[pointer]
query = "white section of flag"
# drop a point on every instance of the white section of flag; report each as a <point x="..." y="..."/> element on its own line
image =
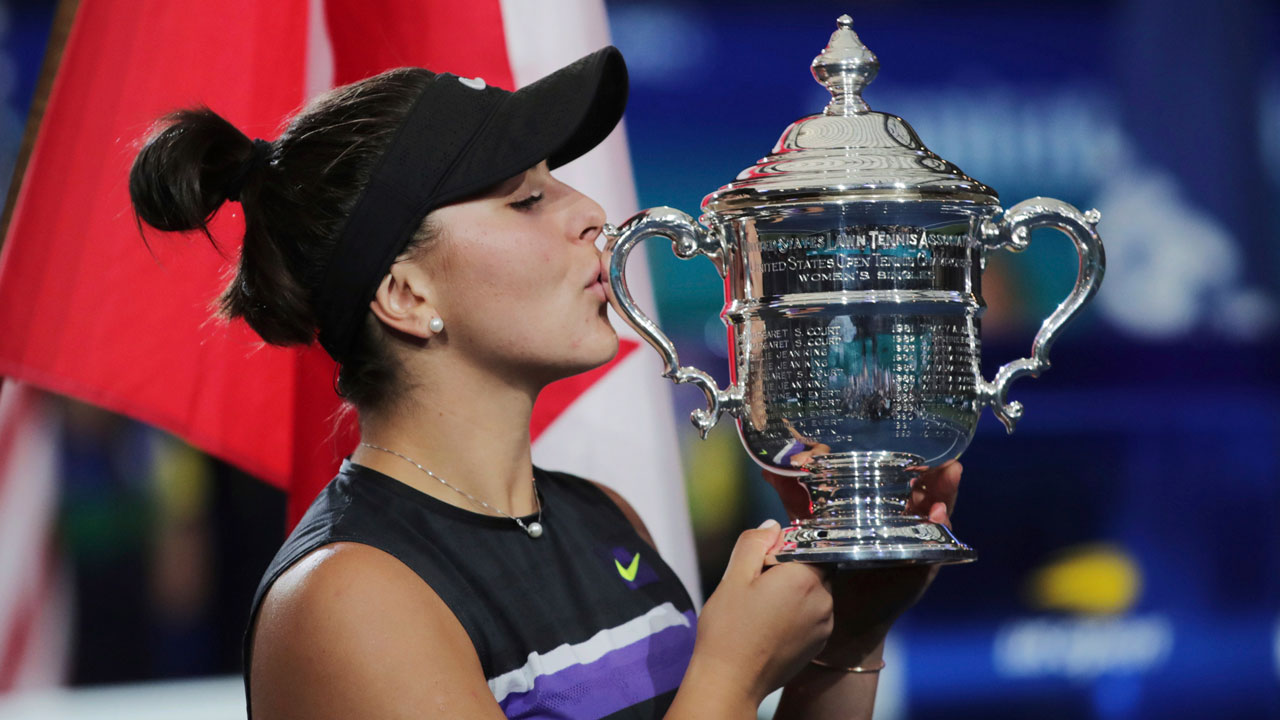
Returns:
<point x="35" y="609"/>
<point x="319" y="77"/>
<point x="621" y="431"/>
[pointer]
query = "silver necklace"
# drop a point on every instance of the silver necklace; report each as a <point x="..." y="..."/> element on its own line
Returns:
<point x="533" y="529"/>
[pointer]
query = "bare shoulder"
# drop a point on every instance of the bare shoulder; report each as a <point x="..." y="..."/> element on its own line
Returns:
<point x="632" y="516"/>
<point x="350" y="631"/>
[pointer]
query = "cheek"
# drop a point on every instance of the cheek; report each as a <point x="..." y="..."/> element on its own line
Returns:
<point x="507" y="293"/>
<point x="513" y="297"/>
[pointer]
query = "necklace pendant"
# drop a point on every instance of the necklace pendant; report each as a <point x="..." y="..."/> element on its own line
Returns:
<point x="534" y="529"/>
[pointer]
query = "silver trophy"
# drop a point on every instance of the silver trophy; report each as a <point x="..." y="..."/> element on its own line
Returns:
<point x="852" y="258"/>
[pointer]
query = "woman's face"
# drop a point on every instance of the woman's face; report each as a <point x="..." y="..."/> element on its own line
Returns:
<point x="514" y="274"/>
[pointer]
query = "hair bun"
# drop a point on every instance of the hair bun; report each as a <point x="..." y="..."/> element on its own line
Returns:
<point x="185" y="169"/>
<point x="298" y="191"/>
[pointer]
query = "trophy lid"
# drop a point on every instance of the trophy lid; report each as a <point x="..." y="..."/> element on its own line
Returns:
<point x="848" y="152"/>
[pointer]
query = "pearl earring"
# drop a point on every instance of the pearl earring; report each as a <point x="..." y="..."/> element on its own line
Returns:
<point x="436" y="324"/>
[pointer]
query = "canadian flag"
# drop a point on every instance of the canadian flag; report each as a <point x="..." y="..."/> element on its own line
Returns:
<point x="88" y="310"/>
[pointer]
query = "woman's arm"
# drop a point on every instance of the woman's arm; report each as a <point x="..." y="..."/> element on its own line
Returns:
<point x="756" y="630"/>
<point x="867" y="602"/>
<point x="752" y="633"/>
<point x="350" y="632"/>
<point x="817" y="692"/>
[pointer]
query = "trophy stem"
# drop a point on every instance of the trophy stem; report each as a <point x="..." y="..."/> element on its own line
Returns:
<point x="862" y="487"/>
<point x="859" y="516"/>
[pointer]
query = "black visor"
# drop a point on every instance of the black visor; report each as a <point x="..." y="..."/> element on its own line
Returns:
<point x="460" y="137"/>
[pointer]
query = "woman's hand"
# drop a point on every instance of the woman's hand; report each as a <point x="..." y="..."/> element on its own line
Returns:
<point x="759" y="627"/>
<point x="867" y="602"/>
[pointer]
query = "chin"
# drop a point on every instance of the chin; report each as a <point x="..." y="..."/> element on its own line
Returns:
<point x="593" y="345"/>
<point x="606" y="348"/>
<point x="594" y="352"/>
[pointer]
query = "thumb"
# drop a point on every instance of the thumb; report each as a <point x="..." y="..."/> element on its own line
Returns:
<point x="747" y="560"/>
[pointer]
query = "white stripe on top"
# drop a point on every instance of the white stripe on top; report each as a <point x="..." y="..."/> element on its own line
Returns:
<point x="634" y="630"/>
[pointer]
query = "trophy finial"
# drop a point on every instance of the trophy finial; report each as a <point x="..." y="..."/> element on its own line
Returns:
<point x="845" y="67"/>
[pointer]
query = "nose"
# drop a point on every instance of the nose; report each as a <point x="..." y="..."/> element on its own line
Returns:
<point x="588" y="218"/>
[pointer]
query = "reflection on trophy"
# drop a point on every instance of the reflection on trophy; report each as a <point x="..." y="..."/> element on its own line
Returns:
<point x="852" y="258"/>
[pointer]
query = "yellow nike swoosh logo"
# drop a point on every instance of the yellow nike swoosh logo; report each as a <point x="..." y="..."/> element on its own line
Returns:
<point x="629" y="573"/>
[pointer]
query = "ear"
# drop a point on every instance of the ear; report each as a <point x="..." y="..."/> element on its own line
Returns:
<point x="402" y="301"/>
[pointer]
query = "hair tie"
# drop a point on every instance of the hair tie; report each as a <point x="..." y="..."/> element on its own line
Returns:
<point x="260" y="156"/>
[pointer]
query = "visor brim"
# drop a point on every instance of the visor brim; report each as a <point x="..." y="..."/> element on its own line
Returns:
<point x="558" y="118"/>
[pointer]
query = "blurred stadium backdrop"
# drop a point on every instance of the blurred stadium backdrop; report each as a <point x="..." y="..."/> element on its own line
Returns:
<point x="1129" y="531"/>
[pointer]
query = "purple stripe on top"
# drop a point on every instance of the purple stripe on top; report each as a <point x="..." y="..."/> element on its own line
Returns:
<point x="619" y="679"/>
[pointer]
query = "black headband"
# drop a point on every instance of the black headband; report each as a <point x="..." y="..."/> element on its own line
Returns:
<point x="459" y="137"/>
<point x="406" y="184"/>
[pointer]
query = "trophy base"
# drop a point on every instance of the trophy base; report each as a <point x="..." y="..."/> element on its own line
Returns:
<point x="904" y="540"/>
<point x="859" y="520"/>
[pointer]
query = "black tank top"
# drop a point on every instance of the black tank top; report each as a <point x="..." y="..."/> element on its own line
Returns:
<point x="586" y="621"/>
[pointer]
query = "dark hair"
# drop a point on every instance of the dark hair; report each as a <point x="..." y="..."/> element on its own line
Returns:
<point x="294" y="206"/>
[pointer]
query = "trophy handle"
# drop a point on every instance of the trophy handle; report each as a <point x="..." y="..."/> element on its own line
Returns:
<point x="688" y="240"/>
<point x="1013" y="232"/>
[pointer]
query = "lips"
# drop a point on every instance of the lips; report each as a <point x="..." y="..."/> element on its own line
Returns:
<point x="595" y="284"/>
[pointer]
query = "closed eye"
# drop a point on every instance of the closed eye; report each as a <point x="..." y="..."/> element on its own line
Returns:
<point x="528" y="202"/>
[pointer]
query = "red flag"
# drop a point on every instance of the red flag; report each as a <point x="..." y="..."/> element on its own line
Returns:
<point x="88" y="312"/>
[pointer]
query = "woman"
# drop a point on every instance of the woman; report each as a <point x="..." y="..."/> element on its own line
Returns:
<point x="410" y="223"/>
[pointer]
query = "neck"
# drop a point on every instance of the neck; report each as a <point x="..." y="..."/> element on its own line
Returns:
<point x="468" y="426"/>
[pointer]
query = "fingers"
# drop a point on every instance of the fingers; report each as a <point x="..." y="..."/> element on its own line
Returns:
<point x="777" y="544"/>
<point x="938" y="513"/>
<point x="946" y="486"/>
<point x="936" y="486"/>
<point x="801" y="576"/>
<point x="747" y="560"/>
<point x="828" y="575"/>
